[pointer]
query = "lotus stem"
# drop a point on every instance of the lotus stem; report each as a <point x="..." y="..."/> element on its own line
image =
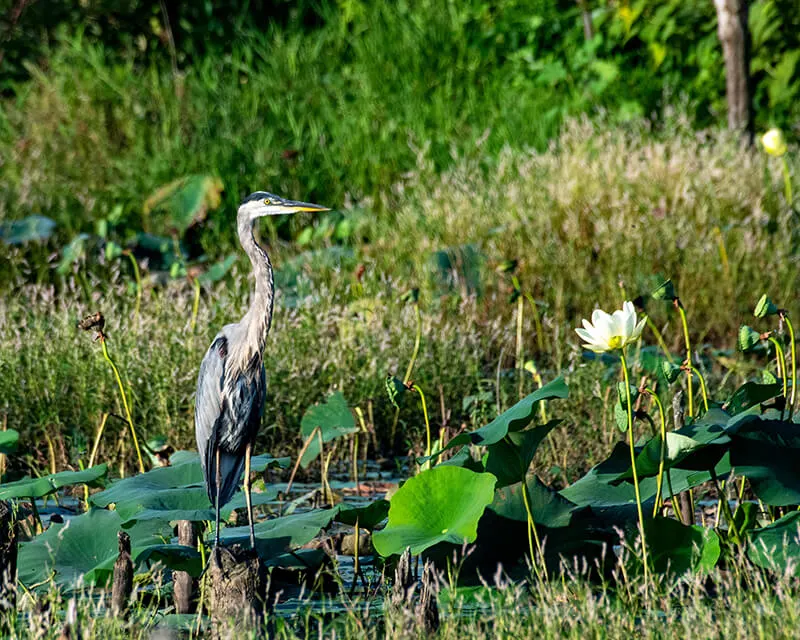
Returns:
<point x="138" y="277"/>
<point x="409" y="369"/>
<point x="355" y="463"/>
<point x="195" y="303"/>
<point x="537" y="321"/>
<point x="533" y="534"/>
<point x="703" y="387"/>
<point x="726" y="509"/>
<point x="689" y="391"/>
<point x="660" y="479"/>
<point x="787" y="181"/>
<point x="781" y="364"/>
<point x="97" y="439"/>
<point x="518" y="354"/>
<point x="793" y="349"/>
<point x="659" y="338"/>
<point x="629" y="410"/>
<point x="124" y="398"/>
<point x="417" y="388"/>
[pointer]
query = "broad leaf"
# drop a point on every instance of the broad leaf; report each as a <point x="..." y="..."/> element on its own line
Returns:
<point x="182" y="203"/>
<point x="40" y="487"/>
<point x="31" y="229"/>
<point x="547" y="506"/>
<point x="333" y="418"/>
<point x="368" y="517"/>
<point x="8" y="441"/>
<point x="442" y="504"/>
<point x="509" y="459"/>
<point x="777" y="546"/>
<point x="751" y="394"/>
<point x="675" y="548"/>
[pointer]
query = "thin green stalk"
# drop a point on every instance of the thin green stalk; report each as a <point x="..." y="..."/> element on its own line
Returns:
<point x="685" y="324"/>
<point x="660" y="478"/>
<point x="703" y="388"/>
<point x="676" y="509"/>
<point x="726" y="509"/>
<point x="518" y="354"/>
<point x="409" y="370"/>
<point x="629" y="410"/>
<point x="138" y="277"/>
<point x="124" y="402"/>
<point x="533" y="534"/>
<point x="781" y="358"/>
<point x="196" y="302"/>
<point x="659" y="338"/>
<point x="789" y="326"/>
<point x="537" y="321"/>
<point x="787" y="181"/>
<point x="427" y="422"/>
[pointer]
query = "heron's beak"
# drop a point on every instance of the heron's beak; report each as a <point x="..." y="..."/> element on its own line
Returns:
<point x="292" y="206"/>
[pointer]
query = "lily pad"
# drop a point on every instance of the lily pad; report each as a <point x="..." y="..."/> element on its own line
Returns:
<point x="40" y="487"/>
<point x="85" y="546"/>
<point x="751" y="394"/>
<point x="368" y="517"/>
<point x="8" y="441"/>
<point x="182" y="203"/>
<point x="547" y="506"/>
<point x="442" y="504"/>
<point x="514" y="419"/>
<point x="31" y="229"/>
<point x="333" y="418"/>
<point x="510" y="458"/>
<point x="777" y="547"/>
<point x="280" y="535"/>
<point x="675" y="548"/>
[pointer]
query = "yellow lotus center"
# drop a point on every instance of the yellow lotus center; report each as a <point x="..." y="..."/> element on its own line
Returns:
<point x="444" y="531"/>
<point x="615" y="342"/>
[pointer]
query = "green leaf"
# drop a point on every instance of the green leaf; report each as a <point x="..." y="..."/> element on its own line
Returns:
<point x="620" y="417"/>
<point x="368" y="517"/>
<point x="777" y="547"/>
<point x="766" y="453"/>
<point x="31" y="229"/>
<point x="623" y="398"/>
<point x="547" y="506"/>
<point x="8" y="441"/>
<point x="670" y="371"/>
<point x="217" y="271"/>
<point x="509" y="459"/>
<point x="334" y="420"/>
<point x="514" y="419"/>
<point x="74" y="251"/>
<point x="442" y="504"/>
<point x="745" y="519"/>
<point x="182" y="203"/>
<point x="280" y="535"/>
<point x="40" y="487"/>
<point x="85" y="545"/>
<point x="751" y="394"/>
<point x="396" y="390"/>
<point x="675" y="548"/>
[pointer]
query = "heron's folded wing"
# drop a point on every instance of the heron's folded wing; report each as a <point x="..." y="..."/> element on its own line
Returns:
<point x="208" y="400"/>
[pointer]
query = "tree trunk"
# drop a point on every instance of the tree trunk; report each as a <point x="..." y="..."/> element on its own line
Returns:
<point x="588" y="29"/>
<point x="8" y="559"/>
<point x="735" y="39"/>
<point x="183" y="583"/>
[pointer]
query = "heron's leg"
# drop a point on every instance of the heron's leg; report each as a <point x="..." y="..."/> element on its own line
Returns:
<point x="247" y="453"/>
<point x="219" y="488"/>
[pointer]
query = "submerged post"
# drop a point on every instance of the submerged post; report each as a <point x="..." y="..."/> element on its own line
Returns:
<point x="238" y="586"/>
<point x="123" y="576"/>
<point x="183" y="583"/>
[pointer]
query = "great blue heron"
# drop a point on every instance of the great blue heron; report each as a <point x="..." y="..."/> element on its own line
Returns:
<point x="231" y="386"/>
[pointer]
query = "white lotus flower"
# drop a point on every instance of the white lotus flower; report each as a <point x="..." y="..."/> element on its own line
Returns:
<point x="774" y="143"/>
<point x="609" y="332"/>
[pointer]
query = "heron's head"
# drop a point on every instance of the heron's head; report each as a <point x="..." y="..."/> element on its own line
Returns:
<point x="261" y="203"/>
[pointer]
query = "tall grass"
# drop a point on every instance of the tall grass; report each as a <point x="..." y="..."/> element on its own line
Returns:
<point x="562" y="213"/>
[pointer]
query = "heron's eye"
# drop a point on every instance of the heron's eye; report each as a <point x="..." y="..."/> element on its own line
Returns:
<point x="267" y="201"/>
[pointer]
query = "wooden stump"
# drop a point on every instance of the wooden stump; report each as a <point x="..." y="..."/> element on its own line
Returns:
<point x="238" y="586"/>
<point x="123" y="576"/>
<point x="8" y="561"/>
<point x="183" y="583"/>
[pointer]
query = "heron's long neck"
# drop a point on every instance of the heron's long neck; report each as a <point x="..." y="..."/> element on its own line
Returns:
<point x="258" y="319"/>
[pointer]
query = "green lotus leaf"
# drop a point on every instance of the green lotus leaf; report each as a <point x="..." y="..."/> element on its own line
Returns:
<point x="368" y="517"/>
<point x="777" y="546"/>
<point x="334" y="420"/>
<point x="8" y="441"/>
<point x="31" y="229"/>
<point x="217" y="271"/>
<point x="182" y="203"/>
<point x="751" y="394"/>
<point x="442" y="504"/>
<point x="675" y="548"/>
<point x="280" y="535"/>
<point x="40" y="487"/>
<point x="509" y="459"/>
<point x="83" y="549"/>
<point x="547" y="506"/>
<point x="513" y="419"/>
<point x="664" y="291"/>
